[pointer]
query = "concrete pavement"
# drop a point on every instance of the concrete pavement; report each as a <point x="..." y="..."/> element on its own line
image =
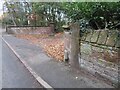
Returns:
<point x="0" y="62"/>
<point x="55" y="74"/>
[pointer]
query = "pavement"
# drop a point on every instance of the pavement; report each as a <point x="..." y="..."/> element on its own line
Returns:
<point x="0" y="60"/>
<point x="49" y="72"/>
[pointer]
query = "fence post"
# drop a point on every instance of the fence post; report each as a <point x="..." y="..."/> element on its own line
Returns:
<point x="74" y="45"/>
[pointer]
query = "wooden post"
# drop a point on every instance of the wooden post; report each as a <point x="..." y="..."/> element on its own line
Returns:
<point x="74" y="45"/>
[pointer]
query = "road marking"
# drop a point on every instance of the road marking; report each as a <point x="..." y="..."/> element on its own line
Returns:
<point x="35" y="75"/>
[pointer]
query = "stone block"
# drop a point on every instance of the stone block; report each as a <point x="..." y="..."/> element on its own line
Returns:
<point x="118" y="42"/>
<point x="97" y="49"/>
<point x="10" y="31"/>
<point x="110" y="56"/>
<point x="95" y="36"/>
<point x="83" y="37"/>
<point x="112" y="37"/>
<point x="102" y="37"/>
<point x="86" y="49"/>
<point x="88" y="37"/>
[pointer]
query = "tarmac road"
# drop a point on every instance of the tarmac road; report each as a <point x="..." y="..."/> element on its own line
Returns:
<point x="14" y="74"/>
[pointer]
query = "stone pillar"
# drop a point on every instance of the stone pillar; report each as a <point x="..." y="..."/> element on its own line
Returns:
<point x="6" y="27"/>
<point x="74" y="45"/>
<point x="52" y="27"/>
<point x="66" y="42"/>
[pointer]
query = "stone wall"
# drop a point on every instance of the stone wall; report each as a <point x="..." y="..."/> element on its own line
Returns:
<point x="29" y="30"/>
<point x="99" y="52"/>
<point x="102" y="42"/>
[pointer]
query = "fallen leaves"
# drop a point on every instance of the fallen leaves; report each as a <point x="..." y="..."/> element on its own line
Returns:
<point x="52" y="45"/>
<point x="55" y="49"/>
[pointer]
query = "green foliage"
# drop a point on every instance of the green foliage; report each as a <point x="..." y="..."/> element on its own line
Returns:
<point x="99" y="15"/>
<point x="16" y="12"/>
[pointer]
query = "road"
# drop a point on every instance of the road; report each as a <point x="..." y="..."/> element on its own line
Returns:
<point x="0" y="59"/>
<point x="14" y="74"/>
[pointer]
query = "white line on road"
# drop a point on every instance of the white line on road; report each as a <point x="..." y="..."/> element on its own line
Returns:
<point x="37" y="77"/>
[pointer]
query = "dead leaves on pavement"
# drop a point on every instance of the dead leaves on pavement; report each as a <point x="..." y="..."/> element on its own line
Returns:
<point x="52" y="45"/>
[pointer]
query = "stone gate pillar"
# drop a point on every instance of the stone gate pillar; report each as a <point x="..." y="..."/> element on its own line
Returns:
<point x="52" y="27"/>
<point x="74" y="45"/>
<point x="66" y="42"/>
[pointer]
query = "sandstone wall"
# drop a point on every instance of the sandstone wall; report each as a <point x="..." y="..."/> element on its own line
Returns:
<point x="29" y="30"/>
<point x="99" y="52"/>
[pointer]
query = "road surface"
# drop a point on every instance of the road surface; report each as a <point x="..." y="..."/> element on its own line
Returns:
<point x="14" y="74"/>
